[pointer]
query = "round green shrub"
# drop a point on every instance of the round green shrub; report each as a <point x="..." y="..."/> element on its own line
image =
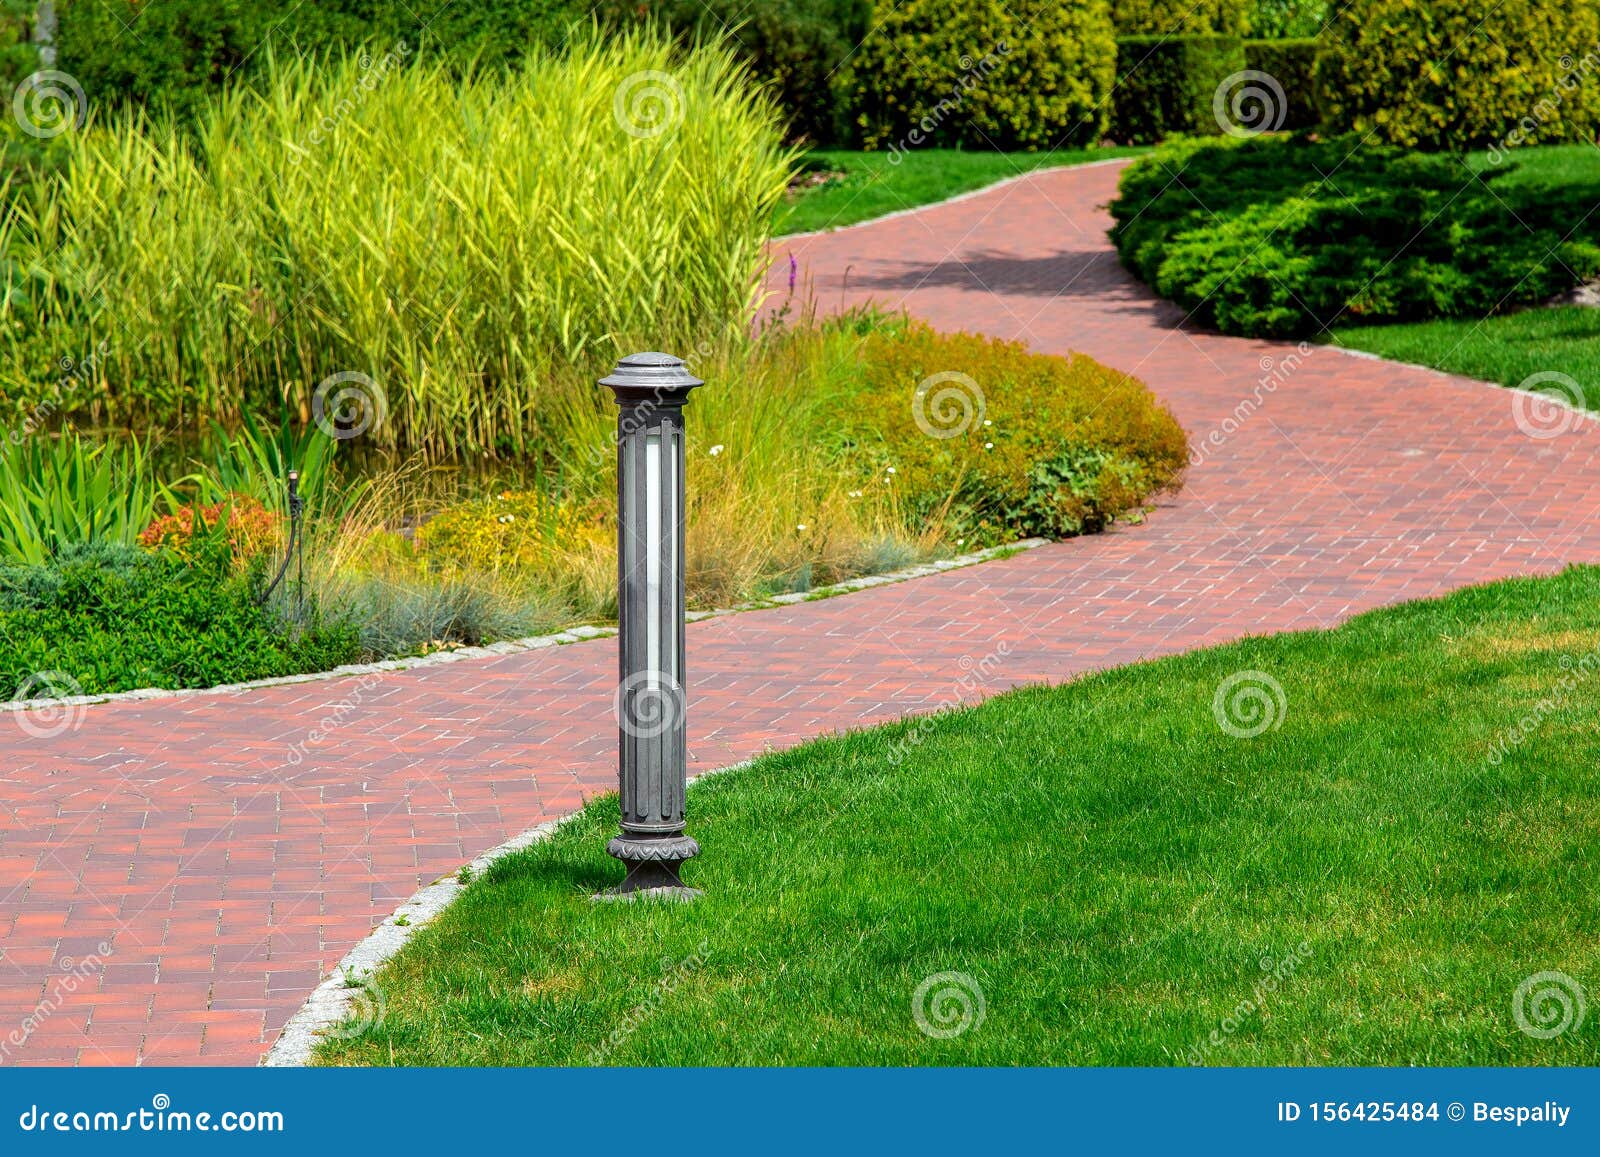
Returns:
<point x="1461" y="74"/>
<point x="1024" y="74"/>
<point x="1249" y="237"/>
<point x="1181" y="17"/>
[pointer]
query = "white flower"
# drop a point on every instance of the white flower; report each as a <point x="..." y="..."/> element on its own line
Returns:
<point x="802" y="526"/>
<point x="986" y="422"/>
<point x="890" y="470"/>
<point x="855" y="494"/>
<point x="961" y="542"/>
<point x="988" y="445"/>
<point x="715" y="450"/>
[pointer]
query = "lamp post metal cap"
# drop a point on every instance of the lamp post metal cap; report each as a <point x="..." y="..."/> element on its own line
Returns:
<point x="646" y="375"/>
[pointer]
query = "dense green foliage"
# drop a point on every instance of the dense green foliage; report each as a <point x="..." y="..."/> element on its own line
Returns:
<point x="1252" y="238"/>
<point x="1024" y="74"/>
<point x="798" y="46"/>
<point x="104" y="618"/>
<point x="1410" y="834"/>
<point x="1455" y="74"/>
<point x="995" y="441"/>
<point x="1288" y="19"/>
<point x="1168" y="84"/>
<point x="1181" y="17"/>
<point x="1293" y="64"/>
<point x="175" y="54"/>
<point x="392" y="224"/>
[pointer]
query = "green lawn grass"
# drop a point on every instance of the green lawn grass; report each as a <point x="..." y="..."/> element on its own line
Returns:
<point x="1367" y="881"/>
<point x="1508" y="348"/>
<point x="871" y="185"/>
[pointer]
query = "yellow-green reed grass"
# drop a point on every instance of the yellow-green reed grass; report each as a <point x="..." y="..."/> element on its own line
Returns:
<point x="459" y="240"/>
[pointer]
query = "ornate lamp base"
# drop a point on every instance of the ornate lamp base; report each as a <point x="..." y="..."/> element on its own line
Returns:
<point x="653" y="866"/>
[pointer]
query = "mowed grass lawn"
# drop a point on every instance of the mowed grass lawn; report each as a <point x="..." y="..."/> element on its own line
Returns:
<point x="1509" y="348"/>
<point x="1117" y="874"/>
<point x="870" y="185"/>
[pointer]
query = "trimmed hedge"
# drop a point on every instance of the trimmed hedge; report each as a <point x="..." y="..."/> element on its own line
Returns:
<point x="1461" y="74"/>
<point x="1248" y="236"/>
<point x="1186" y="17"/>
<point x="1006" y="74"/>
<point x="1166" y="85"/>
<point x="1293" y="64"/>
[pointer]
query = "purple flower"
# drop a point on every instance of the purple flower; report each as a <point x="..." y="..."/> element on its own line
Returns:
<point x="794" y="267"/>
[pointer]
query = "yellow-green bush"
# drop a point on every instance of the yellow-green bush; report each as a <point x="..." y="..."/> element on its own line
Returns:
<point x="1007" y="74"/>
<point x="506" y="531"/>
<point x="1180" y="17"/>
<point x="1459" y="74"/>
<point x="996" y="442"/>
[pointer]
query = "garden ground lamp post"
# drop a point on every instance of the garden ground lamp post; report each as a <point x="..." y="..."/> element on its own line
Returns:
<point x="651" y="390"/>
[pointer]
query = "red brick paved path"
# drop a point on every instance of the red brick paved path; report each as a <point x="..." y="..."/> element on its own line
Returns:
<point x="226" y="882"/>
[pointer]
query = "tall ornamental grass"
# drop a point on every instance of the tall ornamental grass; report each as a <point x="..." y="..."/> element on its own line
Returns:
<point x="453" y="241"/>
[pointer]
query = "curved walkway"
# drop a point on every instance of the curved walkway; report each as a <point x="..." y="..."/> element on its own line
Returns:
<point x="176" y="876"/>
